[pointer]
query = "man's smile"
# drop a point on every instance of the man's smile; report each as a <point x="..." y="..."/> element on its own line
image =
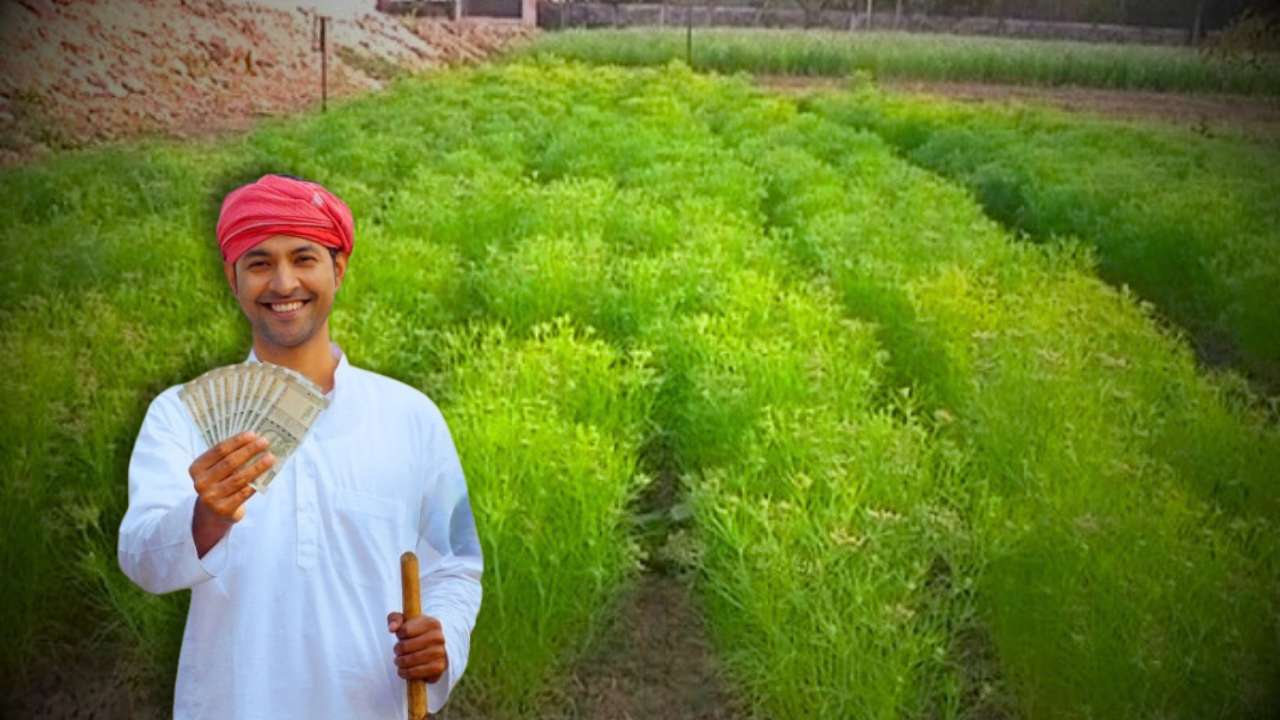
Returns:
<point x="285" y="309"/>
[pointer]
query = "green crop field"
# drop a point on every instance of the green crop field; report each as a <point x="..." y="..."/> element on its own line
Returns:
<point x="906" y="56"/>
<point x="922" y="467"/>
<point x="1191" y="223"/>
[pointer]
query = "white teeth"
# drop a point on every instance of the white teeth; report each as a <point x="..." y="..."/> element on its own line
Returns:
<point x="286" y="307"/>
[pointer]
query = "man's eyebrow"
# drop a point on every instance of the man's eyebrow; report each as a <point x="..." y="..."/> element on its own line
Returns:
<point x="259" y="252"/>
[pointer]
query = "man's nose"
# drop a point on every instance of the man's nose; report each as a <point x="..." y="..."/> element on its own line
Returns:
<point x="283" y="280"/>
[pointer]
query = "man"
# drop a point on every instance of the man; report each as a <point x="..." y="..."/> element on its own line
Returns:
<point x="291" y="589"/>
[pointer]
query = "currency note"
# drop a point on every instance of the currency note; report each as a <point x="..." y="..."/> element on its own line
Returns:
<point x="214" y="384"/>
<point x="235" y="380"/>
<point x="190" y="400"/>
<point x="273" y="388"/>
<point x="287" y="421"/>
<point x="205" y="390"/>
<point x="277" y="403"/>
<point x="243" y="397"/>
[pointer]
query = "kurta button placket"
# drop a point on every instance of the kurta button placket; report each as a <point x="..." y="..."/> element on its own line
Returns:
<point x="308" y="518"/>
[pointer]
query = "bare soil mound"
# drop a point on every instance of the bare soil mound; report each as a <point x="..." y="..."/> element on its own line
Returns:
<point x="77" y="72"/>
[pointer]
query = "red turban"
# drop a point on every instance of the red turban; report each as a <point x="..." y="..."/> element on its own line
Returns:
<point x="280" y="205"/>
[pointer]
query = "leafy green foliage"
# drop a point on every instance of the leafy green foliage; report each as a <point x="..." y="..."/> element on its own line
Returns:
<point x="1073" y="406"/>
<point x="1190" y="223"/>
<point x="548" y="431"/>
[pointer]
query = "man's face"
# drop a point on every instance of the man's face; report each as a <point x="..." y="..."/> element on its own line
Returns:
<point x="285" y="286"/>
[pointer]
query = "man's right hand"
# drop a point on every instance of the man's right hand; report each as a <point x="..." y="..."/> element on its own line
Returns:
<point x="222" y="479"/>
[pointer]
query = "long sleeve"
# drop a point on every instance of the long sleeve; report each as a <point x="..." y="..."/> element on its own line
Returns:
<point x="156" y="548"/>
<point x="451" y="560"/>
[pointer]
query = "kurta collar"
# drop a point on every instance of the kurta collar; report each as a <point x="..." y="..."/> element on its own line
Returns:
<point x="339" y="372"/>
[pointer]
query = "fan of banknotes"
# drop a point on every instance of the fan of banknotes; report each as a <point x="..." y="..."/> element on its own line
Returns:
<point x="273" y="401"/>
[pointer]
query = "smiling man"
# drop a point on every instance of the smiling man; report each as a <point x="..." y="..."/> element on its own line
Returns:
<point x="293" y="590"/>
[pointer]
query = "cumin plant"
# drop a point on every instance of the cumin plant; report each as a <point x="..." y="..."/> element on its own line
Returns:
<point x="548" y="431"/>
<point x="1143" y="572"/>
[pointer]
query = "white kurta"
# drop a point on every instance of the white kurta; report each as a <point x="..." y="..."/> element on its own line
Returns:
<point x="288" y="610"/>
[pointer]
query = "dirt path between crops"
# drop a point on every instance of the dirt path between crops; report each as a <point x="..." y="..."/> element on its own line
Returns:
<point x="1256" y="117"/>
<point x="655" y="662"/>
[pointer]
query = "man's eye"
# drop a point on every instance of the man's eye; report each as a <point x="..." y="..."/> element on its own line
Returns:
<point x="256" y="265"/>
<point x="306" y="258"/>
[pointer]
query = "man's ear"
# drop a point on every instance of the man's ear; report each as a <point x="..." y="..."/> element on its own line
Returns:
<point x="229" y="269"/>
<point x="339" y="269"/>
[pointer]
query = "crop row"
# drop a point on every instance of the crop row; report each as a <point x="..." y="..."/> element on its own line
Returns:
<point x="1125" y="496"/>
<point x="1188" y="222"/>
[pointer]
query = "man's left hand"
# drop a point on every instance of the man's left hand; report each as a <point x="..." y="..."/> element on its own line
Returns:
<point x="420" y="653"/>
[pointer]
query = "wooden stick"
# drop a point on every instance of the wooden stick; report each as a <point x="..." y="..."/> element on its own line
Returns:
<point x="324" y="66"/>
<point x="417" y="689"/>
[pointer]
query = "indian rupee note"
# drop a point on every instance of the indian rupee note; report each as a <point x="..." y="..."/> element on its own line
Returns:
<point x="191" y="400"/>
<point x="286" y="422"/>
